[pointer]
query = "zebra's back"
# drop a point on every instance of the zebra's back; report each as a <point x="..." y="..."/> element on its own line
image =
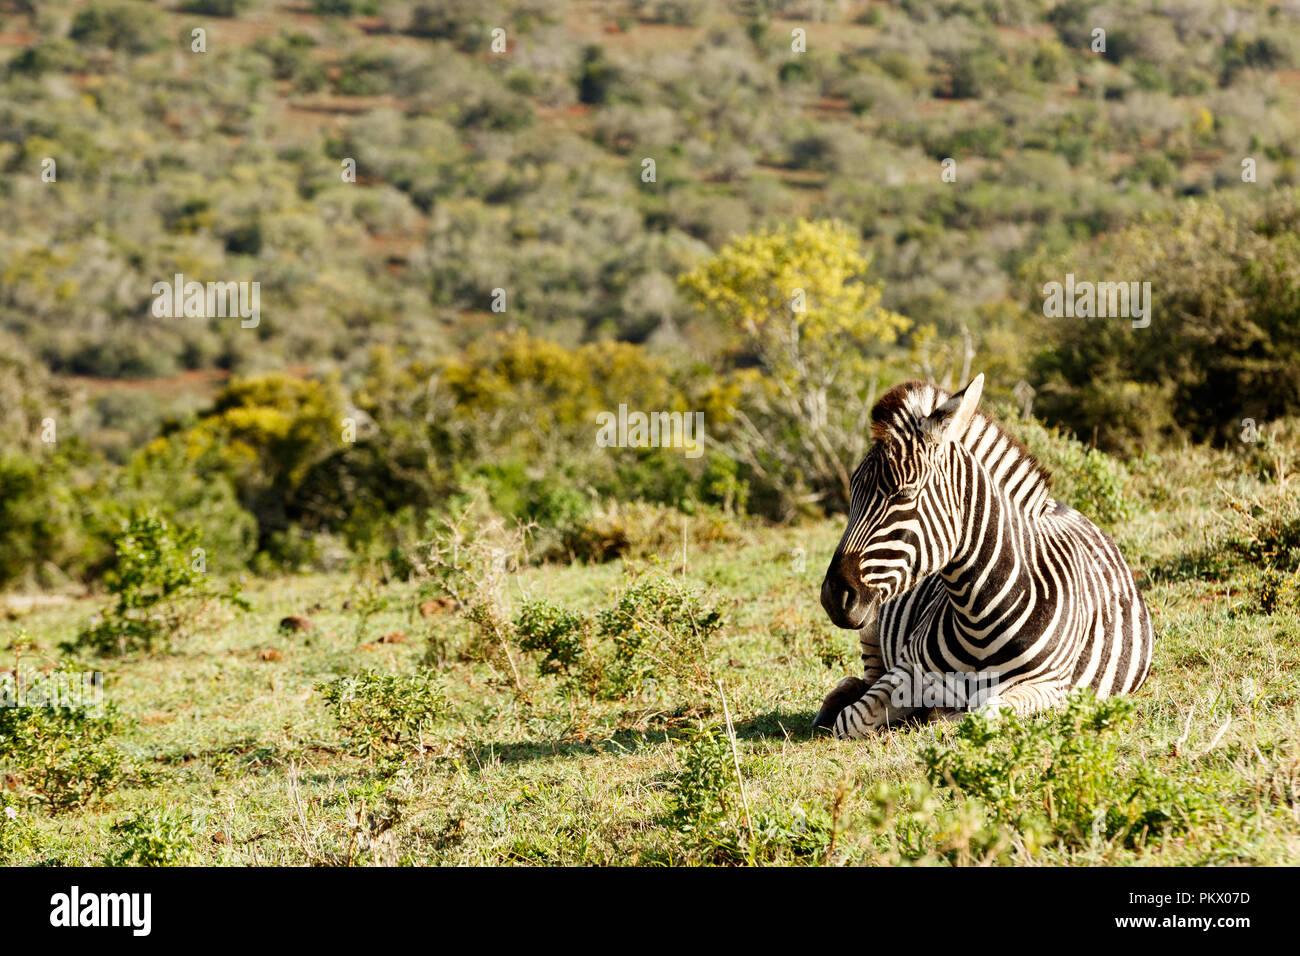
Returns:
<point x="1103" y="639"/>
<point x="1117" y="656"/>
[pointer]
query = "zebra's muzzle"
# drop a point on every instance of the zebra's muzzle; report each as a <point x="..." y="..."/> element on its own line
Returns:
<point x="848" y="605"/>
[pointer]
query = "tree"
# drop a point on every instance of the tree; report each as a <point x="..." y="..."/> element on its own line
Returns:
<point x="1223" y="341"/>
<point x="263" y="435"/>
<point x="797" y="302"/>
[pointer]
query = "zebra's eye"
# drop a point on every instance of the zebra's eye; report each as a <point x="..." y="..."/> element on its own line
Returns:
<point x="904" y="494"/>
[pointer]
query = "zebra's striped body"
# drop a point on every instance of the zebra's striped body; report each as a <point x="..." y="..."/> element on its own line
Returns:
<point x="969" y="584"/>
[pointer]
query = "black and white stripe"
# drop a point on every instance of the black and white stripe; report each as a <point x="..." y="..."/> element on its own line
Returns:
<point x="958" y="567"/>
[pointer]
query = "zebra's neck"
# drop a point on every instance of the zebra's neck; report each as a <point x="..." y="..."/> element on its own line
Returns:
<point x="990" y="580"/>
<point x="1014" y="472"/>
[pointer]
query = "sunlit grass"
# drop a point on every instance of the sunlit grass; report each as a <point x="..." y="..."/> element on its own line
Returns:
<point x="230" y="728"/>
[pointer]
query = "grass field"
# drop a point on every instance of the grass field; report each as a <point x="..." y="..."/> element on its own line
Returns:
<point x="386" y="172"/>
<point x="231" y="732"/>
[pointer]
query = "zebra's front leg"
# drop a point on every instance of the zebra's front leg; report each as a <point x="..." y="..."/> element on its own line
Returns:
<point x="844" y="693"/>
<point x="891" y="699"/>
<point x="851" y="688"/>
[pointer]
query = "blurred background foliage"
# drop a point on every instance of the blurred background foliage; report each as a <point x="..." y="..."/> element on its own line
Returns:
<point x="380" y="386"/>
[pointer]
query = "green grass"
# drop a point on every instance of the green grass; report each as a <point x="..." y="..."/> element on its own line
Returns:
<point x="234" y="750"/>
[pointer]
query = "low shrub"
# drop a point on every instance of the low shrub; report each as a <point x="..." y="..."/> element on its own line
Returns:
<point x="561" y="636"/>
<point x="1268" y="591"/>
<point x="1265" y="528"/>
<point x="62" y="757"/>
<point x="160" y="836"/>
<point x="159" y="579"/>
<point x="17" y="835"/>
<point x="383" y="715"/>
<point x="659" y="629"/>
<point x="653" y="639"/>
<point x="700" y="795"/>
<point x="1057" y="778"/>
<point x="706" y="809"/>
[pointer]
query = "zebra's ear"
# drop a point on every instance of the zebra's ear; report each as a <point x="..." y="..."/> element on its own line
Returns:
<point x="951" y="418"/>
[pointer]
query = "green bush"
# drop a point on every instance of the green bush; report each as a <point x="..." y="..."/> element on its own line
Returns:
<point x="42" y="519"/>
<point x="17" y="834"/>
<point x="161" y="836"/>
<point x="160" y="582"/>
<point x="1222" y="344"/>
<point x="264" y="435"/>
<point x="189" y="493"/>
<point x="1057" y="777"/>
<point x="706" y="811"/>
<point x="703" y="791"/>
<point x="63" y="757"/>
<point x="123" y="27"/>
<point x="561" y="636"/>
<point x="660" y="631"/>
<point x="383" y="714"/>
<point x="653" y="639"/>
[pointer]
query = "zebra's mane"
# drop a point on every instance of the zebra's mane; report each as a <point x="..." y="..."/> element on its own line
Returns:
<point x="899" y="414"/>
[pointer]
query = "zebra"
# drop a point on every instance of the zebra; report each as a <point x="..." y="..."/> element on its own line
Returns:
<point x="960" y="572"/>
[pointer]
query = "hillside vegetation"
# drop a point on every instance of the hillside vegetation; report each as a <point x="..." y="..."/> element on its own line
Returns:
<point x="364" y="578"/>
<point x="488" y="711"/>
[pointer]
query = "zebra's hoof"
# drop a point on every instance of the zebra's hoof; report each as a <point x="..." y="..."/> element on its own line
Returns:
<point x="846" y="692"/>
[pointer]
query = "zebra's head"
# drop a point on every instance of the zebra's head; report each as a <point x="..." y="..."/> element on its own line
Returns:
<point x="905" y="510"/>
